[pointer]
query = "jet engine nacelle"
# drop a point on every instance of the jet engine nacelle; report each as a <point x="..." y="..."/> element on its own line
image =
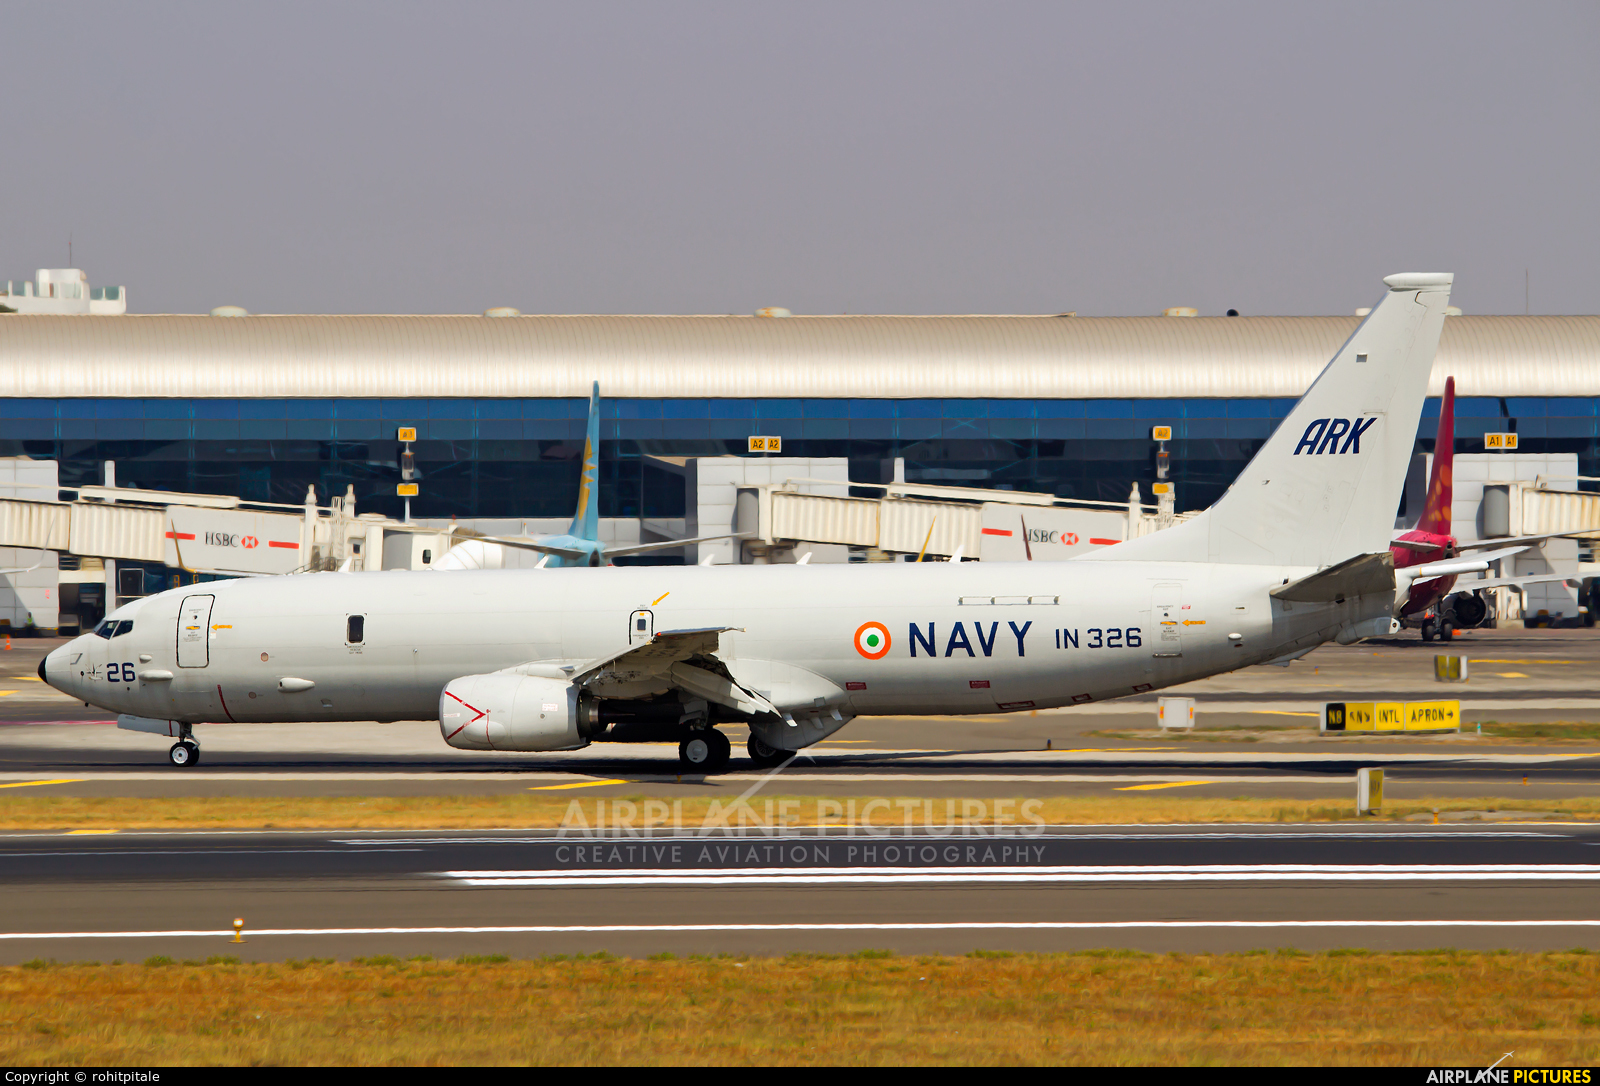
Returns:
<point x="1465" y="609"/>
<point x="504" y="711"/>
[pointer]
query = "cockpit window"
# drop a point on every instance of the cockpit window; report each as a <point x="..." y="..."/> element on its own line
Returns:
<point x="125" y="626"/>
<point x="104" y="629"/>
<point x="113" y="628"/>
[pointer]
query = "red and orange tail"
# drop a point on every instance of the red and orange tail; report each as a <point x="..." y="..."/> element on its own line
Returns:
<point x="1436" y="513"/>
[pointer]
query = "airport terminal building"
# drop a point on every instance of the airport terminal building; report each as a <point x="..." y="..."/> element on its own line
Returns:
<point x="265" y="406"/>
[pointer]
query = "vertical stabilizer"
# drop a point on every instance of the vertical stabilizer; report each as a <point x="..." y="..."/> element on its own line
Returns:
<point x="1436" y="512"/>
<point x="586" y="521"/>
<point x="1325" y="486"/>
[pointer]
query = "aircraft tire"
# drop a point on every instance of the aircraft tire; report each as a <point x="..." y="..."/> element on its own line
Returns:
<point x="1447" y="632"/>
<point x="721" y="750"/>
<point x="183" y="754"/>
<point x="764" y="756"/>
<point x="1427" y="631"/>
<point x="704" y="751"/>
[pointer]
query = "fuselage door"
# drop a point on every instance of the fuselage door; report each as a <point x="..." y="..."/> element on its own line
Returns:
<point x="641" y="627"/>
<point x="194" y="631"/>
<point x="1166" y="608"/>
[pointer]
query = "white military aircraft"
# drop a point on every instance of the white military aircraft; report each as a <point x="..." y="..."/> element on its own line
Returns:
<point x="1295" y="554"/>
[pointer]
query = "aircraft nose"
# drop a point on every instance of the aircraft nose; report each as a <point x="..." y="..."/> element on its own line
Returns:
<point x="53" y="669"/>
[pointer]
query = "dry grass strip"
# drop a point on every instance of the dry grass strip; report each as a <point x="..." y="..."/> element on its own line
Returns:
<point x="34" y="812"/>
<point x="1351" y="1007"/>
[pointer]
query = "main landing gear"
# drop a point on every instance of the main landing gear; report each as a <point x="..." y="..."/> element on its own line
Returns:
<point x="1444" y="631"/>
<point x="764" y="756"/>
<point x="184" y="753"/>
<point x="705" y="751"/>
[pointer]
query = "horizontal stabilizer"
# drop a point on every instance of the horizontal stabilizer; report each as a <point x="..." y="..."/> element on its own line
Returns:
<point x="1363" y="575"/>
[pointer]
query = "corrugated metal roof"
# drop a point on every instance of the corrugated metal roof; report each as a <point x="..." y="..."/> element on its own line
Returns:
<point x="666" y="356"/>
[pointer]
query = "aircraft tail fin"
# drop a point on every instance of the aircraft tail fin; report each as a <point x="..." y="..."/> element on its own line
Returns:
<point x="1325" y="486"/>
<point x="1436" y="513"/>
<point x="586" y="521"/>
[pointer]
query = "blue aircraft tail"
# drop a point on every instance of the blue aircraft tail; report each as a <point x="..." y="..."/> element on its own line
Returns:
<point x="586" y="521"/>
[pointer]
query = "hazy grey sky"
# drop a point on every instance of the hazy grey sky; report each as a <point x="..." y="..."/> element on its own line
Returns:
<point x="856" y="157"/>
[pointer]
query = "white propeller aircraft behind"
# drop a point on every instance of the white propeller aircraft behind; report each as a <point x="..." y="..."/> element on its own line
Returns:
<point x="1295" y="554"/>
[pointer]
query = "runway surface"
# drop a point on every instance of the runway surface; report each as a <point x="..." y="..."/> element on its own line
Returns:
<point x="131" y="896"/>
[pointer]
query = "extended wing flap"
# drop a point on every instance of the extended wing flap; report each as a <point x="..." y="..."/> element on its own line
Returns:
<point x="657" y="655"/>
<point x="1363" y="575"/>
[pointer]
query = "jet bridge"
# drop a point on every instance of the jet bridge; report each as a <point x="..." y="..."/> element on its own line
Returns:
<point x="942" y="521"/>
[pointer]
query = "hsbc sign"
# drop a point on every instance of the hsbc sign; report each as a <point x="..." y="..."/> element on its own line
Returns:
<point x="228" y="539"/>
<point x="232" y="541"/>
<point x="1012" y="533"/>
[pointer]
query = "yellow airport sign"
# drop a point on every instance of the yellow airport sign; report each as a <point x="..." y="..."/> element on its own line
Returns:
<point x="1161" y="488"/>
<point x="406" y="433"/>
<point x="406" y="490"/>
<point x="1503" y="442"/>
<point x="1432" y="716"/>
<point x="766" y="444"/>
<point x="1391" y="716"/>
<point x="1160" y="433"/>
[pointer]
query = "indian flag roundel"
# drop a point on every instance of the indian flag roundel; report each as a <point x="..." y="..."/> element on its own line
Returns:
<point x="872" y="640"/>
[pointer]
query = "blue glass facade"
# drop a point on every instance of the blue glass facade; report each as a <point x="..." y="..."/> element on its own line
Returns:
<point x="519" y="457"/>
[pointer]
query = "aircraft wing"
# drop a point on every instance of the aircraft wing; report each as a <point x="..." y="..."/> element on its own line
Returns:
<point x="641" y="548"/>
<point x="1524" y="539"/>
<point x="570" y="553"/>
<point x="1457" y="566"/>
<point x="1517" y="582"/>
<point x="504" y="541"/>
<point x="685" y="659"/>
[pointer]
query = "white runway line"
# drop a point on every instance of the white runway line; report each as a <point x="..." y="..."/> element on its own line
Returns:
<point x="955" y="925"/>
<point x="789" y="876"/>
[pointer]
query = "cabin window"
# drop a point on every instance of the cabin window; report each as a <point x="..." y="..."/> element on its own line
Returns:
<point x="355" y="629"/>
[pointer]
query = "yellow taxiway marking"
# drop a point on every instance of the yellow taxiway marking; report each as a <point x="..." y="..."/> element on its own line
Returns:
<point x="30" y="784"/>
<point x="659" y="598"/>
<point x="575" y="784"/>
<point x="1497" y="674"/>
<point x="1478" y="661"/>
<point x="1162" y="784"/>
<point x="3" y="693"/>
<point x="89" y="833"/>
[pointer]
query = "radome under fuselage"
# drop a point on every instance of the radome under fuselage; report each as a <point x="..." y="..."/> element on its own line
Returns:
<point x="955" y="639"/>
